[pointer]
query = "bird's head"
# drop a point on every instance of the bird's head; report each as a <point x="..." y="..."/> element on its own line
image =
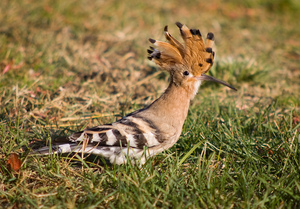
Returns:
<point x="187" y="63"/>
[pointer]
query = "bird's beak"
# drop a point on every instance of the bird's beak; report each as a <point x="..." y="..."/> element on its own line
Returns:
<point x="205" y="77"/>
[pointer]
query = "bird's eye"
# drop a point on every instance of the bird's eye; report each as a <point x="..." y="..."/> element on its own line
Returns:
<point x="186" y="73"/>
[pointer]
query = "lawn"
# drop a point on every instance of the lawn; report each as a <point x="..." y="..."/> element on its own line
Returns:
<point x="68" y="65"/>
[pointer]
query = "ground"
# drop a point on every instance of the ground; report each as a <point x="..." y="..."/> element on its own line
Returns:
<point x="67" y="65"/>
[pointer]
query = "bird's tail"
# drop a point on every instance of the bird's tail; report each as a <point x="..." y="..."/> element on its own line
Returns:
<point x="57" y="149"/>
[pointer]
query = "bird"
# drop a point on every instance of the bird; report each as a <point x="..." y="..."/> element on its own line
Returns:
<point x="157" y="127"/>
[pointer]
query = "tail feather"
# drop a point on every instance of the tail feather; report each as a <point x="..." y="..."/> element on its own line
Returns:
<point x="56" y="149"/>
<point x="114" y="154"/>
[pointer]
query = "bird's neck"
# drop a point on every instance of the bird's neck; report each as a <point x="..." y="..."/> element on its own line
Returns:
<point x="172" y="106"/>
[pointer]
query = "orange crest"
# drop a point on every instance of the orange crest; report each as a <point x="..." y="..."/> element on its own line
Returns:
<point x="193" y="54"/>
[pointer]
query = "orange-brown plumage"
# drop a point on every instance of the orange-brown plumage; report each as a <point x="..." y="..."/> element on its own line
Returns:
<point x="194" y="57"/>
<point x="194" y="54"/>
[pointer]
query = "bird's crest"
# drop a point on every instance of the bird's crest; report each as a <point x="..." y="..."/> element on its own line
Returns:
<point x="194" y="54"/>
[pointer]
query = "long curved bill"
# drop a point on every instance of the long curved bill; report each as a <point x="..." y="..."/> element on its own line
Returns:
<point x="205" y="77"/>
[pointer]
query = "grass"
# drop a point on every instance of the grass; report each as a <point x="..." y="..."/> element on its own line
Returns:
<point x="69" y="65"/>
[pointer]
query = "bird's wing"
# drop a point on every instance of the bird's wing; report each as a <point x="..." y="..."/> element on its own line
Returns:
<point x="132" y="131"/>
<point x="111" y="141"/>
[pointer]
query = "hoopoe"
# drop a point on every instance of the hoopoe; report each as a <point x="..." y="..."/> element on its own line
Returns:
<point x="157" y="127"/>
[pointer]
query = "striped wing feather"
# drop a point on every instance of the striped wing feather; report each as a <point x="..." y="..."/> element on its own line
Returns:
<point x="127" y="136"/>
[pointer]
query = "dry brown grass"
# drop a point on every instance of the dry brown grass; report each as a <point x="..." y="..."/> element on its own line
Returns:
<point x="92" y="61"/>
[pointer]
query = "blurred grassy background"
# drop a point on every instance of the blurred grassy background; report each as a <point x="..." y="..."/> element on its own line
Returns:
<point x="66" y="65"/>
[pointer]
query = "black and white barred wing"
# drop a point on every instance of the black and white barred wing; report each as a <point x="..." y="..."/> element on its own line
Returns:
<point x="128" y="132"/>
<point x="128" y="136"/>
